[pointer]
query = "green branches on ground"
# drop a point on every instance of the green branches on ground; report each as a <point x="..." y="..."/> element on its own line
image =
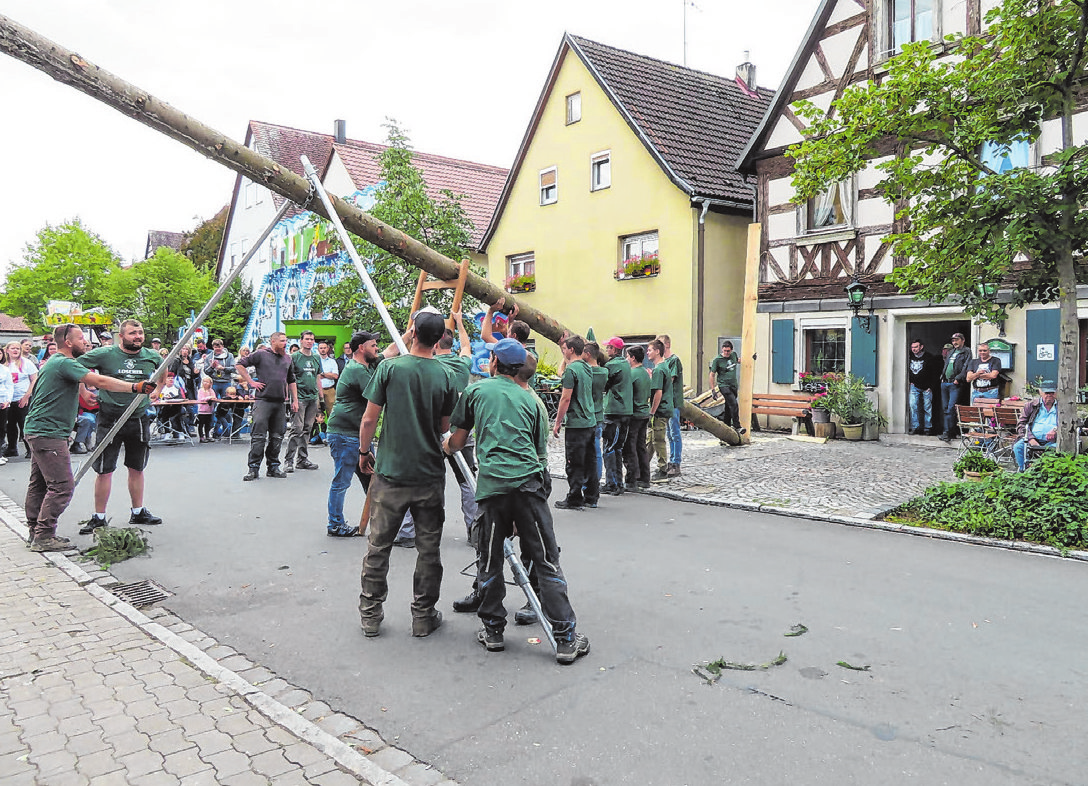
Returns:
<point x="115" y="544"/>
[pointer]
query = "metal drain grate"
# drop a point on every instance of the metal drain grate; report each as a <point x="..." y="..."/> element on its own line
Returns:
<point x="141" y="593"/>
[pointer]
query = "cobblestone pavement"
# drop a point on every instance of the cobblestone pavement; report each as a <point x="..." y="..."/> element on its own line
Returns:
<point x="92" y="691"/>
<point x="775" y="473"/>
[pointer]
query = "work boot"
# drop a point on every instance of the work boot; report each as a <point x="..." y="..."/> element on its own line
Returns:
<point x="372" y="626"/>
<point x="630" y="487"/>
<point x="90" y="525"/>
<point x="252" y="475"/>
<point x="661" y="475"/>
<point x="525" y="615"/>
<point x="491" y="639"/>
<point x="275" y="472"/>
<point x="469" y="604"/>
<point x="643" y="484"/>
<point x="568" y="651"/>
<point x="288" y="466"/>
<point x="674" y="470"/>
<point x="50" y="544"/>
<point x="562" y="504"/>
<point x="144" y="518"/>
<point x="306" y="465"/>
<point x="425" y="626"/>
<point x="78" y="447"/>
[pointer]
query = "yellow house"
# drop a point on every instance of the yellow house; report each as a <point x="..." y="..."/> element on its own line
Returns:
<point x="623" y="211"/>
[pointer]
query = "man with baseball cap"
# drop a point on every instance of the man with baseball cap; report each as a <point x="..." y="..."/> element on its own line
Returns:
<point x="617" y="414"/>
<point x="1038" y="425"/>
<point x="512" y="491"/>
<point x="416" y="395"/>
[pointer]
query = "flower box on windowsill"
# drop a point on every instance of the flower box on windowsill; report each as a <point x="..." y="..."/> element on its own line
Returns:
<point x="519" y="284"/>
<point x="645" y="266"/>
<point x="647" y="272"/>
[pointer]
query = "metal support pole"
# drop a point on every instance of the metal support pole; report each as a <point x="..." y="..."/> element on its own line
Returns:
<point x="508" y="549"/>
<point x="173" y="353"/>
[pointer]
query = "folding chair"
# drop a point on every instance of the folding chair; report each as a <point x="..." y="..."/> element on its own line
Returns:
<point x="1008" y="418"/>
<point x="976" y="430"/>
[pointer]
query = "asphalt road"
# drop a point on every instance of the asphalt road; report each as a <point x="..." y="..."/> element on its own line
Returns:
<point x="976" y="656"/>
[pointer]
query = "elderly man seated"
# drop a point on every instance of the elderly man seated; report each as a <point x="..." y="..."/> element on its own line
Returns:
<point x="1038" y="426"/>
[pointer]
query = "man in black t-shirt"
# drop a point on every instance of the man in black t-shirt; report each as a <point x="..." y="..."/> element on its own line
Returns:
<point x="275" y="386"/>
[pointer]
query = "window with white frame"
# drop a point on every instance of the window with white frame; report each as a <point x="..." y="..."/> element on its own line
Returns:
<point x="234" y="258"/>
<point x="909" y="21"/>
<point x="829" y="210"/>
<point x="1001" y="159"/>
<point x="549" y="187"/>
<point x="640" y="246"/>
<point x="824" y="350"/>
<point x="574" y="108"/>
<point x="244" y="248"/>
<point x="600" y="170"/>
<point x="518" y="265"/>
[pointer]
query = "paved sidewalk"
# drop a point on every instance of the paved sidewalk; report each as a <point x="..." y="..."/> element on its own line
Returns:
<point x="777" y="474"/>
<point x="93" y="691"/>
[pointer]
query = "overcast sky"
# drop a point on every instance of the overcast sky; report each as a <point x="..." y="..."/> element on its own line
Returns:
<point x="462" y="77"/>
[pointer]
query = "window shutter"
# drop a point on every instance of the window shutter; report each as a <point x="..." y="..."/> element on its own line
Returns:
<point x="1043" y="327"/>
<point x="863" y="350"/>
<point x="782" y="351"/>
<point x="547" y="178"/>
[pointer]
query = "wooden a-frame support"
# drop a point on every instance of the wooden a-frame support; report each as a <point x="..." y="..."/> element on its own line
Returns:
<point x="456" y="284"/>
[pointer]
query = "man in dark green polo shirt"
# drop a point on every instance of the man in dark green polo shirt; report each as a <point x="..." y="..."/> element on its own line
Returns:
<point x="636" y="453"/>
<point x="49" y="422"/>
<point x="512" y="491"/>
<point x="676" y="371"/>
<point x="617" y="414"/>
<point x="307" y="365"/>
<point x="576" y="405"/>
<point x="660" y="408"/>
<point x="725" y="373"/>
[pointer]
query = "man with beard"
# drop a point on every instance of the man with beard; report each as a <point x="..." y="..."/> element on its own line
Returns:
<point x="275" y="386"/>
<point x="49" y="422"/>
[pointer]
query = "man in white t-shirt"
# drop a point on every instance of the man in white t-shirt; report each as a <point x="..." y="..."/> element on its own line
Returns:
<point x="326" y="380"/>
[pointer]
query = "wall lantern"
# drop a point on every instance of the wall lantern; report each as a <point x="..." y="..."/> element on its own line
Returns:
<point x="987" y="291"/>
<point x="855" y="297"/>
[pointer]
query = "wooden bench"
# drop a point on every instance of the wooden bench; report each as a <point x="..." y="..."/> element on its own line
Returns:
<point x="790" y="405"/>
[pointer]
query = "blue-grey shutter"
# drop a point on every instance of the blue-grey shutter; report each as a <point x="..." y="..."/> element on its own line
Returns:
<point x="863" y="355"/>
<point x="782" y="351"/>
<point x="1043" y="327"/>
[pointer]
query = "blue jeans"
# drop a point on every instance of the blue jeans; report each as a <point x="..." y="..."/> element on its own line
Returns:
<point x="220" y="426"/>
<point x="925" y="398"/>
<point x="345" y="459"/>
<point x="1020" y="448"/>
<point x="987" y="393"/>
<point x="950" y="397"/>
<point x="85" y="424"/>
<point x="675" y="443"/>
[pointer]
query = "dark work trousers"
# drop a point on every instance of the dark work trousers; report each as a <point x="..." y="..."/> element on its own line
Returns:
<point x="636" y="453"/>
<point x="388" y="504"/>
<point x="581" y="466"/>
<point x="527" y="509"/>
<point x="16" y="416"/>
<point x="269" y="424"/>
<point x="731" y="414"/>
<point x="613" y="439"/>
<point x="51" y="485"/>
<point x="298" y="441"/>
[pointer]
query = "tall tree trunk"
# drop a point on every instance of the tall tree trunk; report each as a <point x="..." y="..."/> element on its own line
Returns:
<point x="1069" y="333"/>
<point x="67" y="67"/>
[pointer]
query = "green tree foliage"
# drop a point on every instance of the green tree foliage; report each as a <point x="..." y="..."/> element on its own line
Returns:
<point x="929" y="120"/>
<point x="160" y="292"/>
<point x="228" y="319"/>
<point x="201" y="245"/>
<point x="403" y="202"/>
<point x="64" y="262"/>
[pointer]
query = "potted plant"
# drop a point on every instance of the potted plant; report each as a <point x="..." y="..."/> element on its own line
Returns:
<point x="820" y="412"/>
<point x="974" y="466"/>
<point x="639" y="266"/>
<point x="525" y="282"/>
<point x="847" y="400"/>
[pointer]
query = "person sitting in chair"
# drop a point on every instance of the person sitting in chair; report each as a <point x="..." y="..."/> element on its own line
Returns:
<point x="1038" y="426"/>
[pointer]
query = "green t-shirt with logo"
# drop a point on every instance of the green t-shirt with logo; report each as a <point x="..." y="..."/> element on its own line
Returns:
<point x="618" y="390"/>
<point x="676" y="371"/>
<point x="460" y="369"/>
<point x="726" y="371"/>
<point x="307" y="367"/>
<point x="600" y="380"/>
<point x="578" y="379"/>
<point x="350" y="399"/>
<point x="55" y="403"/>
<point x="640" y="393"/>
<point x="115" y="362"/>
<point x="416" y="394"/>
<point x="661" y="380"/>
<point x="511" y="434"/>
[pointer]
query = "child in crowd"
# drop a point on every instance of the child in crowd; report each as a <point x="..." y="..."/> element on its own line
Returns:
<point x="204" y="397"/>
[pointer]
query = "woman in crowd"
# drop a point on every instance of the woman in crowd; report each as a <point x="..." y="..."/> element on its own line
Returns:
<point x="48" y="352"/>
<point x="23" y="375"/>
<point x="7" y="390"/>
<point x="205" y="398"/>
<point x="184" y="367"/>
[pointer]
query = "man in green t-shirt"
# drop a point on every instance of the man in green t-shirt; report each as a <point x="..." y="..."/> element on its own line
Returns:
<point x="617" y="414"/>
<point x="660" y="408"/>
<point x="636" y="453"/>
<point x="307" y="365"/>
<point x="592" y="356"/>
<point x="343" y="428"/>
<point x="49" y="422"/>
<point x="576" y="405"/>
<point x="417" y="396"/>
<point x="725" y="373"/>
<point x="512" y="491"/>
<point x="676" y="372"/>
<point x="130" y="361"/>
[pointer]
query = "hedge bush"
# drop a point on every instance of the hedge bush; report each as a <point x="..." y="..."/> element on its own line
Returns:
<point x="1047" y="504"/>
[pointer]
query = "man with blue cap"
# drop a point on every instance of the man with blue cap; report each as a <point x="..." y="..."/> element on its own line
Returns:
<point x="512" y="492"/>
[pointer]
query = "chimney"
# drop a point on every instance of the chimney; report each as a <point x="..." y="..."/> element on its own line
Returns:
<point x="340" y="128"/>
<point x="746" y="72"/>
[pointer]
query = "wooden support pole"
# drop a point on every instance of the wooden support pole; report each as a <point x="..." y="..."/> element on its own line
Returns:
<point x="748" y="327"/>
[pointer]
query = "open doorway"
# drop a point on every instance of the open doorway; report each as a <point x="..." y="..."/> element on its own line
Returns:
<point x="934" y="335"/>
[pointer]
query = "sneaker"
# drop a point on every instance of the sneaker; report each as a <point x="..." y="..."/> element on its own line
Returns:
<point x="288" y="466"/>
<point x="78" y="447"/>
<point x="50" y="544"/>
<point x="643" y="484"/>
<point x="741" y="430"/>
<point x="945" y="437"/>
<point x="372" y="626"/>
<point x="144" y="518"/>
<point x="917" y="432"/>
<point x="405" y="543"/>
<point x="338" y="533"/>
<point x="91" y="524"/>
<point x="566" y="652"/>
<point x="612" y="491"/>
<point x="306" y="465"/>
<point x="525" y="615"/>
<point x="630" y="487"/>
<point x="562" y="504"/>
<point x="276" y="472"/>
<point x="673" y="470"/>
<point x="660" y="476"/>
<point x="252" y="475"/>
<point x="469" y="604"/>
<point x="425" y="626"/>
<point x="491" y="639"/>
<point x="591" y="505"/>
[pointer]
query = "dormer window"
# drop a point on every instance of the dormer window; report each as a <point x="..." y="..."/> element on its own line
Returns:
<point x="574" y="108"/>
<point x="549" y="189"/>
